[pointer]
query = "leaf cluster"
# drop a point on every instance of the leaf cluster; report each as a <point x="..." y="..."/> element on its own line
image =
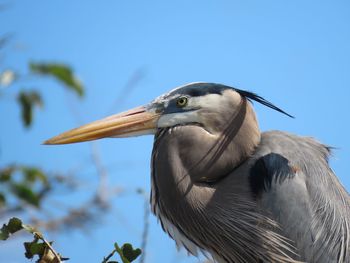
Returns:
<point x="126" y="253"/>
<point x="44" y="251"/>
<point x="29" y="100"/>
<point x="60" y="72"/>
<point x="25" y="183"/>
<point x="38" y="247"/>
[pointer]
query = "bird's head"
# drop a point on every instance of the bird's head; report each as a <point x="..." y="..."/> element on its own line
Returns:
<point x="201" y="104"/>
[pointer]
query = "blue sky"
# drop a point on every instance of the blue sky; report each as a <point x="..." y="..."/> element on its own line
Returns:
<point x="296" y="54"/>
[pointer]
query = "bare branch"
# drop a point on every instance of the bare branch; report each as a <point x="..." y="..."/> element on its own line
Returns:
<point x="145" y="224"/>
<point x="102" y="193"/>
<point x="105" y="259"/>
<point x="131" y="84"/>
<point x="5" y="38"/>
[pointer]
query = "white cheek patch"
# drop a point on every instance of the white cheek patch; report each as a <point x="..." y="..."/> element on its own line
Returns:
<point x="207" y="101"/>
<point x="173" y="119"/>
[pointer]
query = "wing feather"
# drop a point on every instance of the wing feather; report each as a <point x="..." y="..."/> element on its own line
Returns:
<point x="294" y="185"/>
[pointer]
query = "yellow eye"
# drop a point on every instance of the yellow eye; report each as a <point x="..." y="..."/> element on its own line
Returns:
<point x="181" y="102"/>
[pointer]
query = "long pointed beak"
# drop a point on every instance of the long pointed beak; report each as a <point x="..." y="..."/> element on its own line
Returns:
<point x="134" y="122"/>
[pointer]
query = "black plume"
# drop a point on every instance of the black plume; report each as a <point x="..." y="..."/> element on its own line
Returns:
<point x="252" y="96"/>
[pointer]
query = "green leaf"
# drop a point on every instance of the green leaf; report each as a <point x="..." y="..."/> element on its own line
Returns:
<point x="28" y="100"/>
<point x="32" y="174"/>
<point x="4" y="233"/>
<point x="130" y="253"/>
<point x="14" y="225"/>
<point x="60" y="72"/>
<point x="23" y="192"/>
<point x="34" y="248"/>
<point x="127" y="253"/>
<point x="42" y="250"/>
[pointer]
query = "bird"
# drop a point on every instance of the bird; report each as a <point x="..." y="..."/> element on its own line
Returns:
<point x="222" y="188"/>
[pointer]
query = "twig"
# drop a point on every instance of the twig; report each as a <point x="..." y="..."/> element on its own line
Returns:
<point x="72" y="108"/>
<point x="145" y="225"/>
<point x="102" y="193"/>
<point x="4" y="39"/>
<point x="131" y="84"/>
<point x="105" y="259"/>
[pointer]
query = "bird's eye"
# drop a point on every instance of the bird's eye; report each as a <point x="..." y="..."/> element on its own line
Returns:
<point x="181" y="102"/>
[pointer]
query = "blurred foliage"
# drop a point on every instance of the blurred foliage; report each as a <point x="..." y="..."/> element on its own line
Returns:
<point x="28" y="100"/>
<point x="26" y="184"/>
<point x="25" y="189"/>
<point x="61" y="72"/>
<point x="28" y="190"/>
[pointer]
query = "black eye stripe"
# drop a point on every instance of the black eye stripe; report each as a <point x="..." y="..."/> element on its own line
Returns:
<point x="193" y="90"/>
<point x="202" y="89"/>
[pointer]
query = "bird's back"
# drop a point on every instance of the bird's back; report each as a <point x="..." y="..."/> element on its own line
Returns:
<point x="292" y="184"/>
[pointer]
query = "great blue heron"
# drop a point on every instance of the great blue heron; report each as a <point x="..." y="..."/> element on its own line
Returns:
<point x="222" y="187"/>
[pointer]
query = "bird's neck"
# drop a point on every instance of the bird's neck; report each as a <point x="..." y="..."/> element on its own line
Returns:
<point x="187" y="165"/>
<point x="187" y="156"/>
<point x="208" y="157"/>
